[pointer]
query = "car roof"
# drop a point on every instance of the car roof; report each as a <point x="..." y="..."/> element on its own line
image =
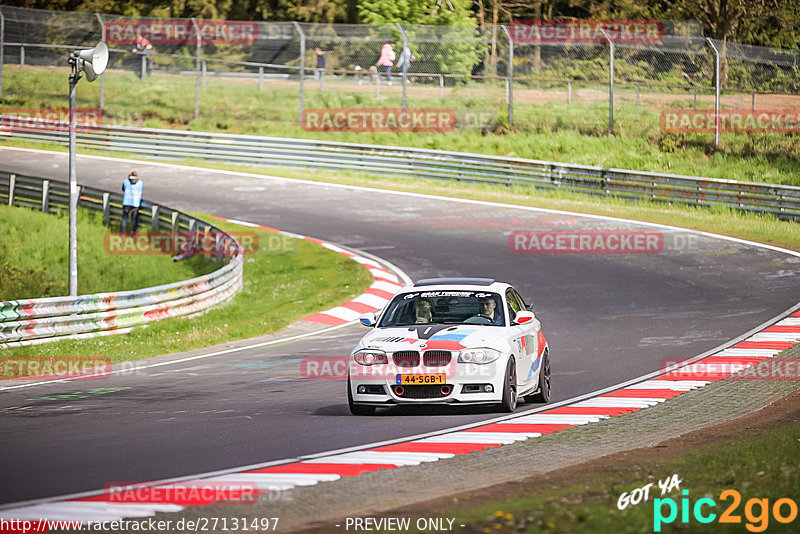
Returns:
<point x="456" y="283"/>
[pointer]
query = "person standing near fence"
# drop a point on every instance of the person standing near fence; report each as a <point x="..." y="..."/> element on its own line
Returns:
<point x="404" y="62"/>
<point x="132" y="188"/>
<point x="387" y="60"/>
<point x="143" y="47"/>
<point x="322" y="61"/>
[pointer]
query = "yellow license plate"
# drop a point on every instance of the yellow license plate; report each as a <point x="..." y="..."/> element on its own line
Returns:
<point x="415" y="380"/>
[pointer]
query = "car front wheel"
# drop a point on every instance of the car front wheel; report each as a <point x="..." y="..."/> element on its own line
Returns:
<point x="509" y="403"/>
<point x="357" y="409"/>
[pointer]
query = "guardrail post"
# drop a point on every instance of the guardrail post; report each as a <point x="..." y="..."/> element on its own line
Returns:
<point x="716" y="87"/>
<point x="302" y="67"/>
<point x="510" y="75"/>
<point x="174" y="221"/>
<point x="22" y="58"/>
<point x="107" y="209"/>
<point x="199" y="51"/>
<point x="12" y="181"/>
<point x="154" y="217"/>
<point x="45" y="196"/>
<point x="103" y="74"/>
<point x="260" y="78"/>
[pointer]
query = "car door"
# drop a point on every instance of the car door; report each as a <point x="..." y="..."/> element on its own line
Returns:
<point x="523" y="338"/>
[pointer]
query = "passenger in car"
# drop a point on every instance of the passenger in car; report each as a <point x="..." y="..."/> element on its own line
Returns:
<point x="423" y="311"/>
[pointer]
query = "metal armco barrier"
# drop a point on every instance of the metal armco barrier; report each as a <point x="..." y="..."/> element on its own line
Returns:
<point x="782" y="201"/>
<point x="34" y="321"/>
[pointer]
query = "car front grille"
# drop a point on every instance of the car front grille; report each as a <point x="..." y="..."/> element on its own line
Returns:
<point x="423" y="392"/>
<point x="406" y="358"/>
<point x="436" y="358"/>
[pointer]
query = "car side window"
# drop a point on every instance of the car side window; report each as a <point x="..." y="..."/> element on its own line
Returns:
<point x="519" y="299"/>
<point x="513" y="305"/>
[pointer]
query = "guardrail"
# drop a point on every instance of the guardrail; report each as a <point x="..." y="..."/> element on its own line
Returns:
<point x="780" y="200"/>
<point x="34" y="321"/>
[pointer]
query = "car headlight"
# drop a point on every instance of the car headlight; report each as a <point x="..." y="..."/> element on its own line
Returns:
<point x="370" y="357"/>
<point x="479" y="356"/>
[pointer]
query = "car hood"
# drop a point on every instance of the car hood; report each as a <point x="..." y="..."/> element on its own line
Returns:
<point x="434" y="337"/>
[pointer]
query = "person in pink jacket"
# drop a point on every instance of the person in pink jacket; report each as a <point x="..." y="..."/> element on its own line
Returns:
<point x="387" y="60"/>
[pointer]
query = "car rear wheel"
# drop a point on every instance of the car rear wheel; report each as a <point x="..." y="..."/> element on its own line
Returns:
<point x="357" y="409"/>
<point x="509" y="403"/>
<point x="543" y="395"/>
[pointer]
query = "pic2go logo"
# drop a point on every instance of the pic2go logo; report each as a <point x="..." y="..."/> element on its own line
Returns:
<point x="756" y="511"/>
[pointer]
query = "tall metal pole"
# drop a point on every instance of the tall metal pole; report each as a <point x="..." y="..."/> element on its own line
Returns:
<point x="610" y="83"/>
<point x="73" y="185"/>
<point x="302" y="66"/>
<point x="510" y="76"/>
<point x="2" y="43"/>
<point x="197" y="69"/>
<point x="103" y="75"/>
<point x="717" y="87"/>
<point x="405" y="63"/>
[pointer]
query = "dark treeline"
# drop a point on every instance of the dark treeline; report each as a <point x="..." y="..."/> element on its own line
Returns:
<point x="758" y="22"/>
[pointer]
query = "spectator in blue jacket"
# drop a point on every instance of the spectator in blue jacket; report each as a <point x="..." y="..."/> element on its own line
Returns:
<point x="131" y="200"/>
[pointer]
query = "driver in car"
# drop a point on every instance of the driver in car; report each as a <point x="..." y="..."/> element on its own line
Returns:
<point x="488" y="308"/>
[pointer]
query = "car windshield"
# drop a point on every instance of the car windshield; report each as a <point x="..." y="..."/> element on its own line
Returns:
<point x="444" y="307"/>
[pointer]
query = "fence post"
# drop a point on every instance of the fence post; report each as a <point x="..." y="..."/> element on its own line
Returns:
<point x="103" y="74"/>
<point x="510" y="75"/>
<point x="12" y="182"/>
<point x="260" y="78"/>
<point x="405" y="63"/>
<point x="569" y="92"/>
<point x="441" y="87"/>
<point x="2" y="47"/>
<point x="302" y="68"/>
<point x="197" y="68"/>
<point x="204" y="68"/>
<point x="610" y="83"/>
<point x="106" y="209"/>
<point x="22" y="58"/>
<point x="716" y="87"/>
<point x="45" y="196"/>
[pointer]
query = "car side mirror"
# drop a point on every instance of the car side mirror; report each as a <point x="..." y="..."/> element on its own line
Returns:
<point x="523" y="317"/>
<point x="368" y="319"/>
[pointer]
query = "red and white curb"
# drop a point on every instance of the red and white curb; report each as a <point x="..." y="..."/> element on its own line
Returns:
<point x="384" y="286"/>
<point x="328" y="467"/>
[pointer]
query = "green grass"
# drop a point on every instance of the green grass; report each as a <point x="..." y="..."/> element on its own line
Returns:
<point x="757" y="466"/>
<point x="556" y="131"/>
<point x="281" y="284"/>
<point x="34" y="264"/>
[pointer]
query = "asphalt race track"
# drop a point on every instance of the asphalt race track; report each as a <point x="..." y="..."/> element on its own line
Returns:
<point x="607" y="317"/>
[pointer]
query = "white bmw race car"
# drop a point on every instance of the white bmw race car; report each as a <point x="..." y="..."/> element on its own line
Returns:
<point x="450" y="340"/>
